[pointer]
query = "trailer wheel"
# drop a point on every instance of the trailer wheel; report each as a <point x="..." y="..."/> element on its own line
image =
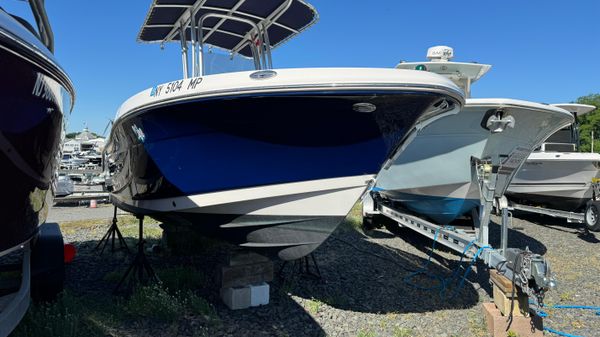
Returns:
<point x="367" y="222"/>
<point x="393" y="227"/>
<point x="373" y="221"/>
<point x="592" y="216"/>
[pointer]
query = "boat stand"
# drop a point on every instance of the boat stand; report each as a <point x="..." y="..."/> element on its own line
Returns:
<point x="112" y="233"/>
<point x="140" y="264"/>
<point x="302" y="265"/>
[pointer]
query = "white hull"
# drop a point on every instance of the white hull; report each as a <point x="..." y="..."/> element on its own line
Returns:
<point x="326" y="197"/>
<point x="556" y="179"/>
<point x="433" y="174"/>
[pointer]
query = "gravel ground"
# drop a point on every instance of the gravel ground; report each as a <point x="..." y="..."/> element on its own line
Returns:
<point x="362" y="290"/>
<point x="62" y="214"/>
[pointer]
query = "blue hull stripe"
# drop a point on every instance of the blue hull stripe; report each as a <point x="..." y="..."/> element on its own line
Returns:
<point x="214" y="162"/>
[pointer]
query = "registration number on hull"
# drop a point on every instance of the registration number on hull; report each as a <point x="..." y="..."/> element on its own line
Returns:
<point x="175" y="86"/>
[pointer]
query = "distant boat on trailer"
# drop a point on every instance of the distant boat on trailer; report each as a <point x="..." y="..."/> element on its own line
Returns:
<point x="557" y="175"/>
<point x="432" y="176"/>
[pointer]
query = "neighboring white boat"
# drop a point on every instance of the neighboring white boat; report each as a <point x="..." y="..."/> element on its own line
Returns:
<point x="432" y="176"/>
<point x="557" y="175"/>
<point x="271" y="160"/>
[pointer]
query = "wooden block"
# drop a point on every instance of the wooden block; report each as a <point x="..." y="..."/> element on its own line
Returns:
<point x="532" y="326"/>
<point x="246" y="274"/>
<point x="503" y="302"/>
<point x="243" y="257"/>
<point x="501" y="281"/>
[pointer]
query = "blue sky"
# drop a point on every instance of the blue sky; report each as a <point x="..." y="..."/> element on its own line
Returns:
<point x="544" y="51"/>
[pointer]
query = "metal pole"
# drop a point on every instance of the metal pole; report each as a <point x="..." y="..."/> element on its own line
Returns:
<point x="468" y="88"/>
<point x="193" y="43"/>
<point x="592" y="150"/>
<point x="267" y="43"/>
<point x="184" y="54"/>
<point x="504" y="239"/>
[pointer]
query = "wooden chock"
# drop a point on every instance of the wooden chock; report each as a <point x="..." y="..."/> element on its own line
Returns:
<point x="503" y="296"/>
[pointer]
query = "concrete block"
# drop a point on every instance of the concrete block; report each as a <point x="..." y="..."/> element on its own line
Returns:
<point x="259" y="294"/>
<point x="236" y="298"/>
<point x="532" y="326"/>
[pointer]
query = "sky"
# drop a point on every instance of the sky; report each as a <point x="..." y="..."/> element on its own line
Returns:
<point x="543" y="51"/>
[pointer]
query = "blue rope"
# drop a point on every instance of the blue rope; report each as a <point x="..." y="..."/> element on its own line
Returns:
<point x="585" y="307"/>
<point x="443" y="283"/>
<point x="469" y="268"/>
<point x="425" y="271"/>
<point x="544" y="314"/>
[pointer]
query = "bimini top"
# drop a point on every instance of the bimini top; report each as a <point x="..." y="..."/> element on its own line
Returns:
<point x="579" y="109"/>
<point x="282" y="19"/>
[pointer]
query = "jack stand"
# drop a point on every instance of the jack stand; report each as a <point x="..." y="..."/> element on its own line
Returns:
<point x="112" y="233"/>
<point x="140" y="263"/>
<point x="303" y="265"/>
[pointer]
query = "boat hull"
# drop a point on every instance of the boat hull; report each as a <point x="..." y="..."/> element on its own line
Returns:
<point x="283" y="220"/>
<point x="556" y="180"/>
<point x="31" y="127"/>
<point x="432" y="177"/>
<point x="274" y="172"/>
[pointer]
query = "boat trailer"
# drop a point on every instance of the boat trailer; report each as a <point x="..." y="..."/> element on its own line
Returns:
<point x="530" y="273"/>
<point x="590" y="217"/>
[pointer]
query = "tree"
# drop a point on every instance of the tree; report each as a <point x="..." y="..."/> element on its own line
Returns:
<point x="590" y="122"/>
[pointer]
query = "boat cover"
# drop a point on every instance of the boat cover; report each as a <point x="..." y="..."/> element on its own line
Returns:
<point x="164" y="17"/>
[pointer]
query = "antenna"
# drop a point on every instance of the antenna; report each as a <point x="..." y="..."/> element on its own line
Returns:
<point x="440" y="54"/>
<point x="108" y="125"/>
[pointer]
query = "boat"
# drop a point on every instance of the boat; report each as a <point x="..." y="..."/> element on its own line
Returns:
<point x="271" y="160"/>
<point x="432" y="176"/>
<point x="64" y="186"/>
<point x="557" y="175"/>
<point x="36" y="95"/>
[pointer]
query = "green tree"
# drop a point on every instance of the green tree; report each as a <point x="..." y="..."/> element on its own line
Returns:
<point x="590" y="122"/>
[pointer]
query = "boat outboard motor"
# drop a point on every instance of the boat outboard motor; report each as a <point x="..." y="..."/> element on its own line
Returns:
<point x="531" y="272"/>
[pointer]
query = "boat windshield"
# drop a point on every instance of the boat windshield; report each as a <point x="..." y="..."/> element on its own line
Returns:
<point x="218" y="62"/>
<point x="564" y="135"/>
<point x="38" y="14"/>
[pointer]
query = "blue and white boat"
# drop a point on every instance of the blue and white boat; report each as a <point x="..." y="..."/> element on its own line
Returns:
<point x="271" y="160"/>
<point x="432" y="175"/>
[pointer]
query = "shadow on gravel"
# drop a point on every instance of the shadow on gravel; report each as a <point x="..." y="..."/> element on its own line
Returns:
<point x="516" y="239"/>
<point x="363" y="276"/>
<point x="481" y="277"/>
<point x="92" y="278"/>
<point x="560" y="225"/>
